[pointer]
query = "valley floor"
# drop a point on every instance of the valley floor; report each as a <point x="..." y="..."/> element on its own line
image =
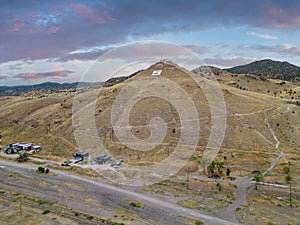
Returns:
<point x="69" y="193"/>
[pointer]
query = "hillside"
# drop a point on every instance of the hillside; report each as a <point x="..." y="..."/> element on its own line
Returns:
<point x="269" y="69"/>
<point x="252" y="117"/>
<point x="262" y="134"/>
<point x="48" y="86"/>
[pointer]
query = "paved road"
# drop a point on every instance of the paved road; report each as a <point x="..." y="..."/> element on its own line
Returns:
<point x="94" y="196"/>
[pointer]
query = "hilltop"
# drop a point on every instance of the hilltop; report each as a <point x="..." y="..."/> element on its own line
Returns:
<point x="269" y="69"/>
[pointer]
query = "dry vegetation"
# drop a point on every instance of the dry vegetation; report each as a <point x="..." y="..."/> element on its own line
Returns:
<point x="269" y="205"/>
<point x="257" y="109"/>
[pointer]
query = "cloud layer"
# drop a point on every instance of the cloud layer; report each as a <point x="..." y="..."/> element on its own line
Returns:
<point x="30" y="30"/>
<point x="30" y="76"/>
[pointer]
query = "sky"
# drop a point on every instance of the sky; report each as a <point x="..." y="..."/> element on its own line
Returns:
<point x="57" y="40"/>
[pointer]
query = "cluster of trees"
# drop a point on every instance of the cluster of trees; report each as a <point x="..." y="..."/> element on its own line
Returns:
<point x="213" y="166"/>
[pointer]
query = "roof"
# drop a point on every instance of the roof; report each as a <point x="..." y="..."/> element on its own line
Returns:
<point x="101" y="157"/>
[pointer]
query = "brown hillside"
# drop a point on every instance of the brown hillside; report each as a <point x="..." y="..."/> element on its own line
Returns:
<point x="254" y="116"/>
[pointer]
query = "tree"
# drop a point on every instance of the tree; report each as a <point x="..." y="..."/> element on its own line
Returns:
<point x="258" y="178"/>
<point x="204" y="163"/>
<point x="211" y="167"/>
<point x="228" y="171"/>
<point x="288" y="179"/>
<point x="286" y="170"/>
<point x="220" y="166"/>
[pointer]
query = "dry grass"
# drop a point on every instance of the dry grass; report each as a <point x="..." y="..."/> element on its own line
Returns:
<point x="265" y="206"/>
<point x="10" y="215"/>
<point x="248" y="145"/>
<point x="200" y="195"/>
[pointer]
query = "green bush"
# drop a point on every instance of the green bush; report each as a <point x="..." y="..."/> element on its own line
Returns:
<point x="46" y="211"/>
<point x="41" y="202"/>
<point x="161" y="183"/>
<point x="41" y="169"/>
<point x="135" y="204"/>
<point x="89" y="217"/>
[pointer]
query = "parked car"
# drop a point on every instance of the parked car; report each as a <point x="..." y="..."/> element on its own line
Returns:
<point x="65" y="164"/>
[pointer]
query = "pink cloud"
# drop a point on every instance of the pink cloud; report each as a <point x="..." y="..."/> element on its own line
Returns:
<point x="53" y="29"/>
<point x="3" y="77"/>
<point x="62" y="73"/>
<point x="280" y="18"/>
<point x="18" y="25"/>
<point x="89" y="13"/>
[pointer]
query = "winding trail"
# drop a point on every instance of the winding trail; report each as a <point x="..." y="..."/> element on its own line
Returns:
<point x="240" y="200"/>
<point x="280" y="153"/>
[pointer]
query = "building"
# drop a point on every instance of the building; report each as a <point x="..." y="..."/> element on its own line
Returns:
<point x="102" y="159"/>
<point x="16" y="147"/>
<point x="80" y="155"/>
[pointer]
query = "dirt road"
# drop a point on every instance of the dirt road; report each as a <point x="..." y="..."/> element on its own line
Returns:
<point x="95" y="196"/>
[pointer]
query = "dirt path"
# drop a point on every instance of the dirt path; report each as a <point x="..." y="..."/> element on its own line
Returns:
<point x="280" y="153"/>
<point x="240" y="194"/>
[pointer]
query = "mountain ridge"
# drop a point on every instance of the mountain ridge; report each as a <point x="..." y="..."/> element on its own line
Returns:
<point x="265" y="69"/>
<point x="46" y="86"/>
<point x="269" y="69"/>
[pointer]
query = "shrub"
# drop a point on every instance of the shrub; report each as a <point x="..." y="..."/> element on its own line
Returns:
<point x="228" y="171"/>
<point x="46" y="211"/>
<point x="41" y="169"/>
<point x="41" y="202"/>
<point x="238" y="209"/>
<point x="219" y="186"/>
<point x="198" y="222"/>
<point x="161" y="183"/>
<point x="135" y="204"/>
<point x="89" y="217"/>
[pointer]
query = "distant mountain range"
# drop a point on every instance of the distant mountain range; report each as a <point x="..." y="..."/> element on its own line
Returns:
<point x="269" y="69"/>
<point x="19" y="90"/>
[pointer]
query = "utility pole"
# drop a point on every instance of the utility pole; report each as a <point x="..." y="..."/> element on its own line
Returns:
<point x="21" y="202"/>
<point x="290" y="184"/>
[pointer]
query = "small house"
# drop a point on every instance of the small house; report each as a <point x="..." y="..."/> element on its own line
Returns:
<point x="102" y="159"/>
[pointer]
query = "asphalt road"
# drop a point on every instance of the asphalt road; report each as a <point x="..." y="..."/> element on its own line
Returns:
<point x="95" y="196"/>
